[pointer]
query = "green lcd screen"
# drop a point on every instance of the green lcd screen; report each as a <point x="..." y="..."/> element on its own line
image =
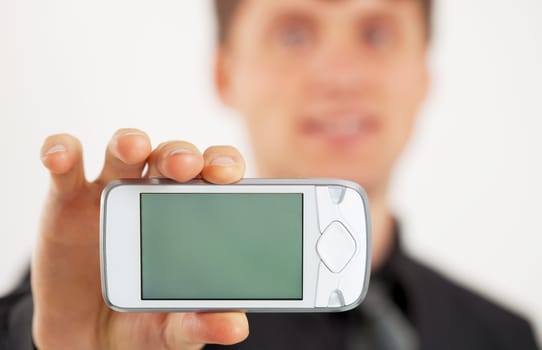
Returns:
<point x="218" y="246"/>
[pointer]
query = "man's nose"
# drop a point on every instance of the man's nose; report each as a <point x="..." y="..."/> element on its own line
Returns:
<point x="337" y="70"/>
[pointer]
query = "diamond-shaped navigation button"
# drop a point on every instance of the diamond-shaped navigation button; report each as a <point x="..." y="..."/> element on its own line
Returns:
<point x="336" y="246"/>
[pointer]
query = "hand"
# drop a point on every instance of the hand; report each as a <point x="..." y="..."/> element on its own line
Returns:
<point x="69" y="312"/>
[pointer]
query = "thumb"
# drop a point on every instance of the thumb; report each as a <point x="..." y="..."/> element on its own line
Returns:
<point x="193" y="330"/>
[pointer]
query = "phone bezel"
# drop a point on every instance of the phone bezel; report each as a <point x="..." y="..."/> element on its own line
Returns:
<point x="120" y="254"/>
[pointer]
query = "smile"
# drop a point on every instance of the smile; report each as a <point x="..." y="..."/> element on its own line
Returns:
<point x="339" y="129"/>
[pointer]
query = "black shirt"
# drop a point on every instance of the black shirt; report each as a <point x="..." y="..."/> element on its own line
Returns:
<point x="445" y="316"/>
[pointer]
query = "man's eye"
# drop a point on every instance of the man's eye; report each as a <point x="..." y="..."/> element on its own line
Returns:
<point x="377" y="37"/>
<point x="294" y="37"/>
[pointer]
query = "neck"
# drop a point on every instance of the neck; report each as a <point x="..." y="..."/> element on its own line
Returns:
<point x="382" y="227"/>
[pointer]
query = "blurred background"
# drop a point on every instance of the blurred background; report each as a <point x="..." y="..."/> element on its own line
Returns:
<point x="468" y="190"/>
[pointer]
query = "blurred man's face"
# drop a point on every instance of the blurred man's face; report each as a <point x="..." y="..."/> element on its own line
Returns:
<point x="327" y="88"/>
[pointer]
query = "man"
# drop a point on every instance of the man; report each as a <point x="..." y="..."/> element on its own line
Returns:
<point x="327" y="89"/>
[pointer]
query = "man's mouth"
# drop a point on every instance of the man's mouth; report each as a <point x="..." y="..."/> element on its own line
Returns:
<point x="339" y="129"/>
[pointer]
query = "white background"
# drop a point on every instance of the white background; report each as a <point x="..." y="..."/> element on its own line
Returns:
<point x="468" y="190"/>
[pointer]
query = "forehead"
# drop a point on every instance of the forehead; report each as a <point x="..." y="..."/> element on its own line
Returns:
<point x="328" y="7"/>
<point x="254" y="14"/>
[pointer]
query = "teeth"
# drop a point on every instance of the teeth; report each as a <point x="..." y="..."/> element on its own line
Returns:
<point x="338" y="125"/>
<point x="343" y="126"/>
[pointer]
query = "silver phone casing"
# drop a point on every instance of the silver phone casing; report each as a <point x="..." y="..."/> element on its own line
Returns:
<point x="330" y="189"/>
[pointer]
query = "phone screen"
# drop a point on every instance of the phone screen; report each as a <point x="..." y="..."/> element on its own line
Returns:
<point x="216" y="246"/>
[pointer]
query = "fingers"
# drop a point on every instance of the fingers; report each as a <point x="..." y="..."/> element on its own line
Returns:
<point x="223" y="165"/>
<point x="126" y="155"/>
<point x="177" y="160"/>
<point x="183" y="330"/>
<point x="128" y="152"/>
<point x="62" y="156"/>
<point x="182" y="161"/>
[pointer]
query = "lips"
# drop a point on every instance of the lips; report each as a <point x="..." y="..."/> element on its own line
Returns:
<point x="339" y="129"/>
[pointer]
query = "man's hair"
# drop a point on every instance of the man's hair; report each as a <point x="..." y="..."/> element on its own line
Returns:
<point x="226" y="9"/>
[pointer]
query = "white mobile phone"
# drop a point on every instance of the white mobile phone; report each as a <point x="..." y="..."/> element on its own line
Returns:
<point x="266" y="245"/>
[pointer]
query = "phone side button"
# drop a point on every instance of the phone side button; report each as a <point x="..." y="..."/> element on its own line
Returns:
<point x="328" y="282"/>
<point x="336" y="247"/>
<point x="336" y="299"/>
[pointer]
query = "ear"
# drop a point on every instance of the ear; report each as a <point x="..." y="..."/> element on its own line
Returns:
<point x="222" y="76"/>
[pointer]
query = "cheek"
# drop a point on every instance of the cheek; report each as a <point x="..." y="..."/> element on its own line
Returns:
<point x="405" y="83"/>
<point x="258" y="83"/>
<point x="268" y="95"/>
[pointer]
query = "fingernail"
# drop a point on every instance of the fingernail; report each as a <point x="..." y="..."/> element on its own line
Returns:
<point x="54" y="149"/>
<point x="171" y="153"/>
<point x="131" y="133"/>
<point x="115" y="141"/>
<point x="116" y="138"/>
<point x="179" y="151"/>
<point x="222" y="161"/>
